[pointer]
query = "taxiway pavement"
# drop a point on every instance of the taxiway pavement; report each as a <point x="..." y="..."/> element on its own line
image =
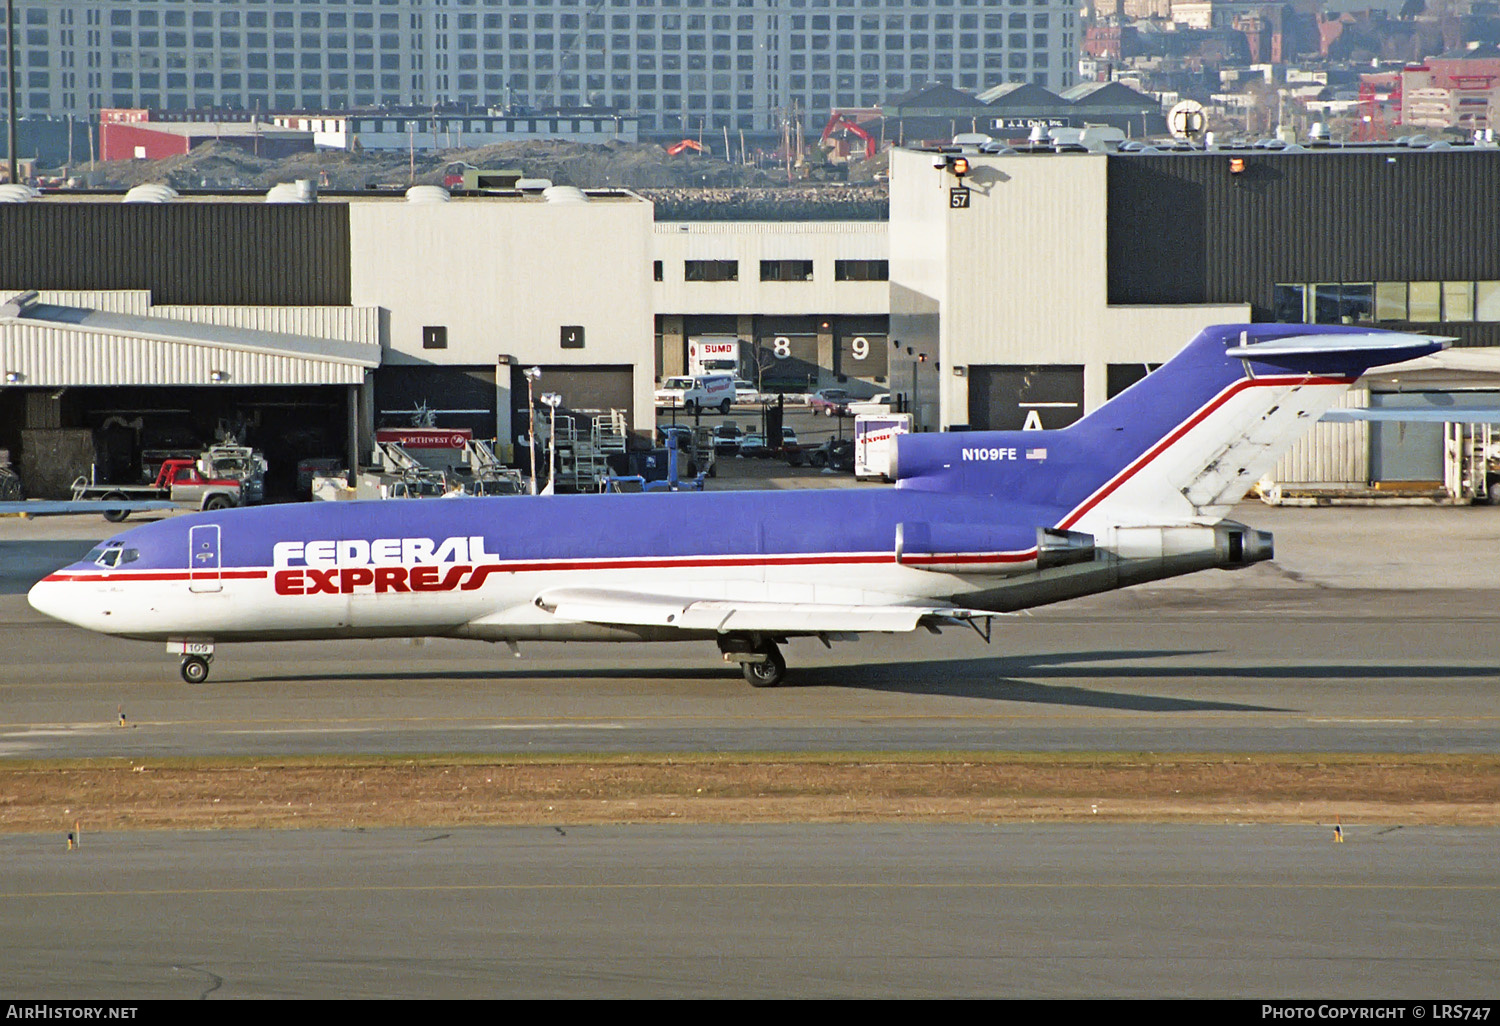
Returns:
<point x="885" y="910"/>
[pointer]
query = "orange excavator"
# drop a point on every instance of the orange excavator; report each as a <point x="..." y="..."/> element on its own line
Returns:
<point x="686" y="144"/>
<point x="840" y="121"/>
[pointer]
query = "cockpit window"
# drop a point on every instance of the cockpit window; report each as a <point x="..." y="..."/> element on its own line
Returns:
<point x="113" y="555"/>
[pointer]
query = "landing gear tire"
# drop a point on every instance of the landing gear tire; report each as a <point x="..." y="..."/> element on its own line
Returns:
<point x="194" y="669"/>
<point x="114" y="516"/>
<point x="767" y="674"/>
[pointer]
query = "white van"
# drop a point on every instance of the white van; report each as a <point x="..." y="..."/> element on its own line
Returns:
<point x="698" y="391"/>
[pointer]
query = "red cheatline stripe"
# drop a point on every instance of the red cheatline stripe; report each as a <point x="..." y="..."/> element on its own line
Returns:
<point x="1182" y="429"/>
<point x="162" y="575"/>
<point x="619" y="564"/>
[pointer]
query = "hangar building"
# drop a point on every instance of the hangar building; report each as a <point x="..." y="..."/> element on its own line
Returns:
<point x="1038" y="285"/>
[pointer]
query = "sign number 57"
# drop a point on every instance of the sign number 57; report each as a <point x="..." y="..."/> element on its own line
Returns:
<point x="958" y="198"/>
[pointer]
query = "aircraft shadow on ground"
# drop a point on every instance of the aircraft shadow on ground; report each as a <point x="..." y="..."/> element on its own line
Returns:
<point x="1040" y="679"/>
<point x="1021" y="678"/>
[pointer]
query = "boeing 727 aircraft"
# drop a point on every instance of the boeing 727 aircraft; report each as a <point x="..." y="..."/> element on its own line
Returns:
<point x="978" y="523"/>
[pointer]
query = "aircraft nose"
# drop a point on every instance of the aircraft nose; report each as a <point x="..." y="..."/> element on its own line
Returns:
<point x="49" y="597"/>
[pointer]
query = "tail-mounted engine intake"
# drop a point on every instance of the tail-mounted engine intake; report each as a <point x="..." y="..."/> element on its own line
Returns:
<point x="1056" y="547"/>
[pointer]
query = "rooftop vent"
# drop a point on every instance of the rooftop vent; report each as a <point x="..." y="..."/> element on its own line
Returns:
<point x="19" y="303"/>
<point x="534" y="185"/>
<point x="15" y="192"/>
<point x="300" y="191"/>
<point x="152" y="192"/>
<point x="564" y="194"/>
<point x="427" y="194"/>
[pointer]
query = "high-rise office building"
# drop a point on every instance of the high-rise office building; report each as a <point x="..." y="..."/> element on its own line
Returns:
<point x="681" y="65"/>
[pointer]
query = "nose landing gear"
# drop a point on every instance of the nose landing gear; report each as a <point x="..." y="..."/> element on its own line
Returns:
<point x="197" y="656"/>
<point x="195" y="668"/>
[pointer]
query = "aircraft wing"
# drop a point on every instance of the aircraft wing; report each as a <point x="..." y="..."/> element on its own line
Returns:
<point x="604" y="606"/>
<point x="52" y="508"/>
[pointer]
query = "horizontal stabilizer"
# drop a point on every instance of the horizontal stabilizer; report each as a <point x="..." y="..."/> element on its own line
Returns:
<point x="1326" y="345"/>
<point x="1451" y="415"/>
<point x="602" y="606"/>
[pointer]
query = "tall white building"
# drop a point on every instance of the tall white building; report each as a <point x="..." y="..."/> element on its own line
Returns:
<point x="681" y="65"/>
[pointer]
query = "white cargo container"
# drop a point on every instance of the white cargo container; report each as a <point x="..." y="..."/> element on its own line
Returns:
<point x="875" y="442"/>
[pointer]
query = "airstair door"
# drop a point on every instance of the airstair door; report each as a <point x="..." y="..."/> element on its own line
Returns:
<point x="203" y="559"/>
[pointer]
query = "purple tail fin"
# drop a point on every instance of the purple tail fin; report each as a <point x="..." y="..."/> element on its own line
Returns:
<point x="1179" y="446"/>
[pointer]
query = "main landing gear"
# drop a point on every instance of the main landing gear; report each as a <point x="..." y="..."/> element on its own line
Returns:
<point x="759" y="658"/>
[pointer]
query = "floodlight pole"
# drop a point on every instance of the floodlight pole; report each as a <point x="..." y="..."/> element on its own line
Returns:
<point x="553" y="401"/>
<point x="10" y="86"/>
<point x="531" y="374"/>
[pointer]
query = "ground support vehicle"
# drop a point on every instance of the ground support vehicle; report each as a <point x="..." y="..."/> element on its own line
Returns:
<point x="222" y="460"/>
<point x="834" y="454"/>
<point x="791" y="449"/>
<point x="875" y="442"/>
<point x="179" y="480"/>
<point x="695" y="447"/>
<point x="10" y="481"/>
<point x="241" y="463"/>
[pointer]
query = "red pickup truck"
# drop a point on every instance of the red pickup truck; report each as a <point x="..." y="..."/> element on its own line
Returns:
<point x="179" y="481"/>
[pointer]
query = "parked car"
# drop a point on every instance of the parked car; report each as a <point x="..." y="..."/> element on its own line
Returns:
<point x="755" y="445"/>
<point x="876" y="404"/>
<point x="727" y="437"/>
<point x="837" y="453"/>
<point x="744" y="392"/>
<point x="831" y="402"/>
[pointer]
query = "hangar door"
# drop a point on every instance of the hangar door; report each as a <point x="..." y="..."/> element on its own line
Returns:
<point x="1005" y="397"/>
<point x="861" y="351"/>
<point x="587" y="392"/>
<point x="448" y="397"/>
<point x="1414" y="451"/>
<point x="788" y="360"/>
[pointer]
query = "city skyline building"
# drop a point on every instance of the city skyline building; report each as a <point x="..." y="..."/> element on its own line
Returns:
<point x="680" y="65"/>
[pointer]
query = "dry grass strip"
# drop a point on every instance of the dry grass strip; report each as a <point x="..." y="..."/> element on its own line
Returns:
<point x="109" y="794"/>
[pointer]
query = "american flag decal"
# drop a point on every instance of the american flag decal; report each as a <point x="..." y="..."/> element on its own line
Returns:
<point x="1036" y="454"/>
